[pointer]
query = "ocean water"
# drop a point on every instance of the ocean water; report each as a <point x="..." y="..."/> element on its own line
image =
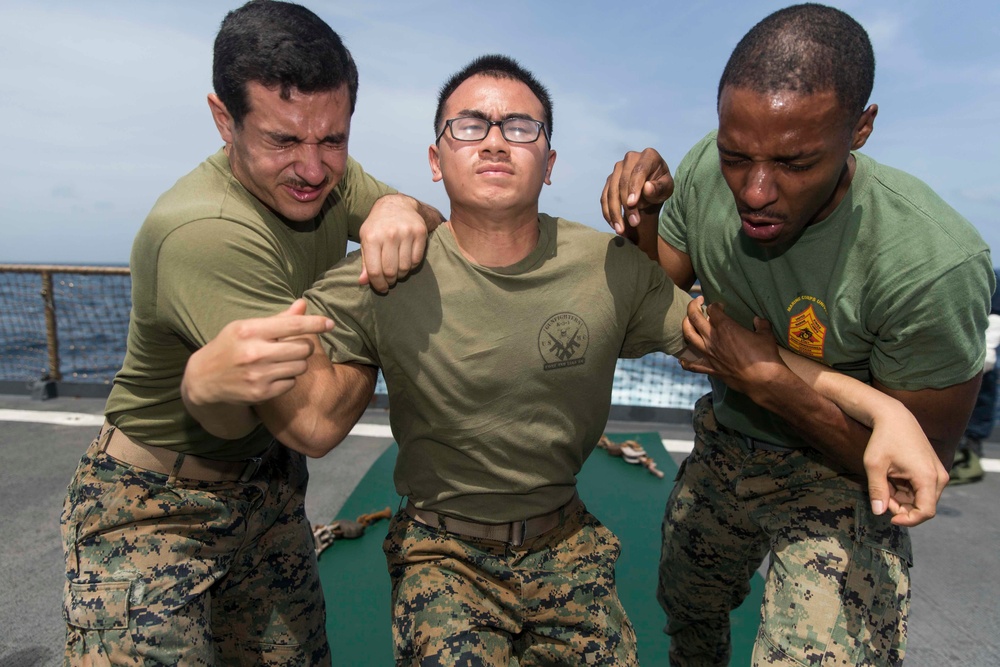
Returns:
<point x="91" y="314"/>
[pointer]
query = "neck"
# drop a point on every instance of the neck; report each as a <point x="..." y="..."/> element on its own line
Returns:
<point x="846" y="176"/>
<point x="495" y="242"/>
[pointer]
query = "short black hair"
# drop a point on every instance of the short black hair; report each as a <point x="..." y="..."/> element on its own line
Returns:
<point x="805" y="48"/>
<point x="497" y="67"/>
<point x="278" y="44"/>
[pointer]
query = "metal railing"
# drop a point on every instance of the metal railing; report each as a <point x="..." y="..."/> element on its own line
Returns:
<point x="63" y="330"/>
<point x="62" y="324"/>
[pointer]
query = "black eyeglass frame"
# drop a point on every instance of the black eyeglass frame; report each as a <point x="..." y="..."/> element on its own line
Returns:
<point x="542" y="129"/>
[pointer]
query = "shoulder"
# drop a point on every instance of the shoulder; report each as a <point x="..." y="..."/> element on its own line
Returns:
<point x="208" y="192"/>
<point x="904" y="204"/>
<point x="703" y="155"/>
<point x="580" y="242"/>
<point x="356" y="183"/>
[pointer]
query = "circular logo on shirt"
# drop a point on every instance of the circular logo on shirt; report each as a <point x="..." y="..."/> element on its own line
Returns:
<point x="563" y="341"/>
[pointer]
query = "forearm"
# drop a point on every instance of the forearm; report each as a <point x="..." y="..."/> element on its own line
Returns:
<point x="324" y="406"/>
<point x="825" y="407"/>
<point x="222" y="420"/>
<point x="430" y="215"/>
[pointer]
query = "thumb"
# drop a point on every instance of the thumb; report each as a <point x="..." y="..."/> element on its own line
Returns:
<point x="363" y="278"/>
<point x="298" y="307"/>
<point x="878" y="493"/>
<point x="657" y="191"/>
<point x="760" y="325"/>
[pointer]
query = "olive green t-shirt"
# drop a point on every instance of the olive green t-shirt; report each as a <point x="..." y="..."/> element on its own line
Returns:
<point x="209" y="253"/>
<point x="499" y="379"/>
<point x="893" y="285"/>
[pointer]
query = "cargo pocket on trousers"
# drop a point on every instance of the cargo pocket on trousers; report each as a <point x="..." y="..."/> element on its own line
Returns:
<point x="880" y="582"/>
<point x="98" y="606"/>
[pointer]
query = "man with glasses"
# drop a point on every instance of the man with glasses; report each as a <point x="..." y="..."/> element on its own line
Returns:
<point x="499" y="354"/>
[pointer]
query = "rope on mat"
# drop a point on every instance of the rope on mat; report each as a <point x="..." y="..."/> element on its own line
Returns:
<point x="632" y="452"/>
<point x="325" y="534"/>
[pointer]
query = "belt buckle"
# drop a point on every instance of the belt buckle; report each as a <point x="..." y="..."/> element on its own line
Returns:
<point x="251" y="468"/>
<point x="517" y="531"/>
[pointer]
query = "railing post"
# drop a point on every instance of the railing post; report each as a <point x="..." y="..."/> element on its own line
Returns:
<point x="51" y="330"/>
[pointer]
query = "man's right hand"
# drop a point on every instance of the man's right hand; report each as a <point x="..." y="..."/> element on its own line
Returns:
<point x="637" y="187"/>
<point x="253" y="360"/>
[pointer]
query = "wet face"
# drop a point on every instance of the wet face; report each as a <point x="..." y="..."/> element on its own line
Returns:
<point x="290" y="154"/>
<point x="492" y="175"/>
<point x="786" y="158"/>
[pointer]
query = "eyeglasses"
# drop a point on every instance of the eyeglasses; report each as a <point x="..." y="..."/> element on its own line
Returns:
<point x="514" y="130"/>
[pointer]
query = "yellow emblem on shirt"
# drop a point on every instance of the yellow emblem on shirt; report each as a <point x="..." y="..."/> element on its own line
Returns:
<point x="806" y="334"/>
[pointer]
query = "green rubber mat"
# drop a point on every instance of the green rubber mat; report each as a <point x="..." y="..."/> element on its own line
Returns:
<point x="626" y="498"/>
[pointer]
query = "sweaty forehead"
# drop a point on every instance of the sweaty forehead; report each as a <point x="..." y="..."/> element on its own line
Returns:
<point x="496" y="98"/>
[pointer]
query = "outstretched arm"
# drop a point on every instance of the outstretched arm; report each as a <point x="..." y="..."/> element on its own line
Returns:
<point x="394" y="238"/>
<point x="904" y="472"/>
<point x="248" y="362"/>
<point x="859" y="428"/>
<point x="274" y="370"/>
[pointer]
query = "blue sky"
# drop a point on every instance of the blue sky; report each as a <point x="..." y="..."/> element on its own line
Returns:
<point x="102" y="103"/>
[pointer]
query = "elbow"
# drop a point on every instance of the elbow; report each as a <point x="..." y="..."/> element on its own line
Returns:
<point x="316" y="443"/>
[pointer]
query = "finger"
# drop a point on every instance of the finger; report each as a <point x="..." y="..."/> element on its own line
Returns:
<point x="611" y="205"/>
<point x="373" y="265"/>
<point x="363" y="278"/>
<point x="276" y="328"/>
<point x="922" y="508"/>
<point x="717" y="310"/>
<point x="298" y="307"/>
<point x="658" y="190"/>
<point x="417" y="250"/>
<point x="695" y="340"/>
<point x="631" y="188"/>
<point x="760" y="325"/>
<point x="697" y="318"/>
<point x="878" y="492"/>
<point x="392" y="255"/>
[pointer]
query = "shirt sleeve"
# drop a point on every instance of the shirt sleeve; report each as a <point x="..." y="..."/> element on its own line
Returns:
<point x="950" y="313"/>
<point x="214" y="271"/>
<point x="657" y="306"/>
<point x="360" y="190"/>
<point x="675" y="215"/>
<point x="338" y="296"/>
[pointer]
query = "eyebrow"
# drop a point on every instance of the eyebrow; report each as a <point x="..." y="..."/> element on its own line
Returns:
<point x="792" y="157"/>
<point x="282" y="138"/>
<point x="476" y="113"/>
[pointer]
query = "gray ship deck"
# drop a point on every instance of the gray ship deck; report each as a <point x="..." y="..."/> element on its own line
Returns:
<point x="955" y="614"/>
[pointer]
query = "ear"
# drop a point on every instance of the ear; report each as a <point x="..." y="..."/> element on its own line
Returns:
<point x="223" y="120"/>
<point x="548" y="167"/>
<point x="434" y="159"/>
<point x="863" y="128"/>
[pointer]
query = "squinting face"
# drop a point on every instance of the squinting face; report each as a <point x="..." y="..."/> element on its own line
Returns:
<point x="290" y="154"/>
<point x="492" y="175"/>
<point x="786" y="158"/>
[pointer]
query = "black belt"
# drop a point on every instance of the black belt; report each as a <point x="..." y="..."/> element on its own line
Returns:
<point x="513" y="533"/>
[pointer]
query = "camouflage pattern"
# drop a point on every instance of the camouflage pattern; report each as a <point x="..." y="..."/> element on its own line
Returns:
<point x="837" y="589"/>
<point x="464" y="601"/>
<point x="180" y="572"/>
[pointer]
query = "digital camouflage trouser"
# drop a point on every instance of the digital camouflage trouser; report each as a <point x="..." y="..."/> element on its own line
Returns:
<point x="465" y="601"/>
<point x="837" y="589"/>
<point x="181" y="572"/>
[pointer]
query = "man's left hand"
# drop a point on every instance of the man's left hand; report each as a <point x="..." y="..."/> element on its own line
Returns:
<point x="393" y="241"/>
<point x="739" y="357"/>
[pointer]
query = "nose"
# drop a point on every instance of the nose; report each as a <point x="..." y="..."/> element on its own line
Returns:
<point x="494" y="141"/>
<point x="309" y="163"/>
<point x="759" y="189"/>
